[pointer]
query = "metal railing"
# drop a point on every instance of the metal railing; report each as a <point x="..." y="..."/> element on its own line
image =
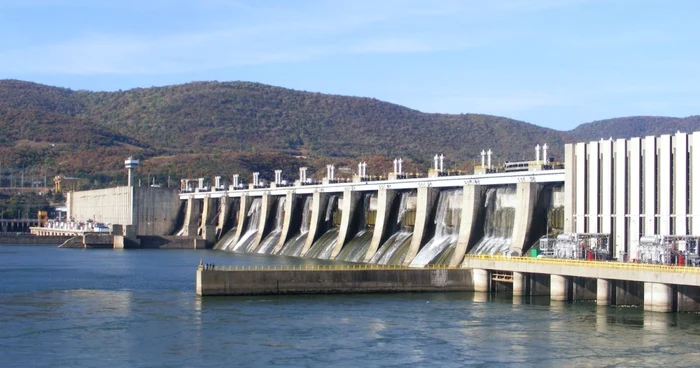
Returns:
<point x="343" y="267"/>
<point x="531" y="260"/>
<point x="591" y="264"/>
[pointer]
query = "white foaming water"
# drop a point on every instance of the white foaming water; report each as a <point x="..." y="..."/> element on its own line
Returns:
<point x="390" y="247"/>
<point x="252" y="228"/>
<point x="498" y="226"/>
<point x="294" y="246"/>
<point x="271" y="240"/>
<point x="447" y="220"/>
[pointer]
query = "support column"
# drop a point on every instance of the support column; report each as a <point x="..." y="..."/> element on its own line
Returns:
<point x="425" y="201"/>
<point x="579" y="203"/>
<point x="263" y="226"/>
<point x="560" y="288"/>
<point x="224" y="212"/>
<point x="603" y="292"/>
<point x="664" y="183"/>
<point x="472" y="206"/>
<point x="569" y="188"/>
<point x="481" y="279"/>
<point x="191" y="217"/>
<point x="347" y="206"/>
<point x="289" y="205"/>
<point x="658" y="297"/>
<point x="207" y="213"/>
<point x="318" y="207"/>
<point x="243" y="209"/>
<point x="680" y="190"/>
<point x="520" y="283"/>
<point x="385" y="197"/>
<point x="527" y="194"/>
<point x="650" y="185"/>
<point x="695" y="185"/>
<point x="634" y="147"/>
<point x="621" y="190"/>
<point x="593" y="187"/>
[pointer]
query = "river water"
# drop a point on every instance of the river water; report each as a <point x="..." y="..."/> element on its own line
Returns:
<point x="137" y="308"/>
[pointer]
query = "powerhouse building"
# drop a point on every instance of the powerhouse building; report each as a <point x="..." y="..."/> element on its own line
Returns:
<point x="634" y="189"/>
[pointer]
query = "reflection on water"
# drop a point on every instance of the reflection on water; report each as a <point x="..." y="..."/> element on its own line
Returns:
<point x="64" y="307"/>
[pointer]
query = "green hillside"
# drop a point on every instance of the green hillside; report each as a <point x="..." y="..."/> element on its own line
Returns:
<point x="210" y="128"/>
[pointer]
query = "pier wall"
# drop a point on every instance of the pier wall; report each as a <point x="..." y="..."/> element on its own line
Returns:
<point x="267" y="282"/>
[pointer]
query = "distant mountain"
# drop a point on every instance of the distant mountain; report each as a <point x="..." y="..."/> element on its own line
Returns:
<point x="634" y="126"/>
<point x="208" y="128"/>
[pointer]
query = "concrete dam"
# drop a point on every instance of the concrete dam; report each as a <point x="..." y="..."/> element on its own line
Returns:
<point x="409" y="222"/>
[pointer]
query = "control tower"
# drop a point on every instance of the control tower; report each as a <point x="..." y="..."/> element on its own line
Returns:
<point x="130" y="164"/>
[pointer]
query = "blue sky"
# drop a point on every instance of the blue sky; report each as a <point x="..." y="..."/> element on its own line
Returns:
<point x="554" y="63"/>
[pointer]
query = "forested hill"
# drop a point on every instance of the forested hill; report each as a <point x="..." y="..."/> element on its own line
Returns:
<point x="634" y="126"/>
<point x="207" y="128"/>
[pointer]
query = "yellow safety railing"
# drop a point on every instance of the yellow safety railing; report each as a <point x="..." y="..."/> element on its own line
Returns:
<point x="551" y="261"/>
<point x="592" y="264"/>
<point x="333" y="267"/>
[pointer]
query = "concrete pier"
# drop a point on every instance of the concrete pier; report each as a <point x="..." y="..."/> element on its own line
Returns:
<point x="425" y="201"/>
<point x="318" y="208"/>
<point x="291" y="222"/>
<point x="469" y="228"/>
<point x="527" y="193"/>
<point x="324" y="281"/>
<point x="384" y="199"/>
<point x="658" y="297"/>
<point x="482" y="280"/>
<point x="224" y="214"/>
<point x="560" y="288"/>
<point x="267" y="206"/>
<point x="603" y="291"/>
<point x="244" y="207"/>
<point x="347" y="206"/>
<point x="520" y="284"/>
<point x="192" y="214"/>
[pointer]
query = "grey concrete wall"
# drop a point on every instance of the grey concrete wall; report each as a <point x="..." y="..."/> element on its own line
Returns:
<point x="584" y="288"/>
<point x="155" y="209"/>
<point x="265" y="282"/>
<point x="688" y="298"/>
<point x="628" y="293"/>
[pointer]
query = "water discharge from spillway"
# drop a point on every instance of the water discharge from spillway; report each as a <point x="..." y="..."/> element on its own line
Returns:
<point x="295" y="245"/>
<point x="252" y="227"/>
<point x="500" y="206"/>
<point x="323" y="246"/>
<point x="439" y="249"/>
<point x="271" y="240"/>
<point x="395" y="247"/>
<point x="356" y="248"/>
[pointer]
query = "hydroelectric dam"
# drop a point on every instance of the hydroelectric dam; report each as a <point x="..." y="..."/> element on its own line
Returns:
<point x="618" y="222"/>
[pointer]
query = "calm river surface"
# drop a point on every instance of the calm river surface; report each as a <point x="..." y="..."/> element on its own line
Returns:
<point x="137" y="308"/>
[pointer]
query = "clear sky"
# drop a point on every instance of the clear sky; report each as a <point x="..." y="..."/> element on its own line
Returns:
<point x="554" y="63"/>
